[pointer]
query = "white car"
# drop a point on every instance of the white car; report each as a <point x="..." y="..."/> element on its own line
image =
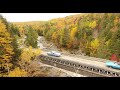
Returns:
<point x="54" y="53"/>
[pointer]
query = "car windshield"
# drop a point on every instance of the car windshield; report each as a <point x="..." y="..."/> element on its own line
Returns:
<point x="53" y="52"/>
<point x="118" y="63"/>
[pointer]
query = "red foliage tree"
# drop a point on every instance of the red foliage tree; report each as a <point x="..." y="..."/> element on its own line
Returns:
<point x="113" y="57"/>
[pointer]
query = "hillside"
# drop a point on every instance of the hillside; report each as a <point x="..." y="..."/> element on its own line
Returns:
<point x="91" y="34"/>
<point x="95" y="34"/>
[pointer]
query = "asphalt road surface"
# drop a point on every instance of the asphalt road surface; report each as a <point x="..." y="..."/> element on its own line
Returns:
<point x="85" y="61"/>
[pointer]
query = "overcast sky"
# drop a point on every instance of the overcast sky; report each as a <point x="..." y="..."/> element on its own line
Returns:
<point x="23" y="17"/>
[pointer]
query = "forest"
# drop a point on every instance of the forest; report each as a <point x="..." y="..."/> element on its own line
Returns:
<point x="95" y="34"/>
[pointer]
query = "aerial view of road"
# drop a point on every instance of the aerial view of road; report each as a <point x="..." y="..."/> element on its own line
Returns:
<point x="80" y="59"/>
<point x="60" y="44"/>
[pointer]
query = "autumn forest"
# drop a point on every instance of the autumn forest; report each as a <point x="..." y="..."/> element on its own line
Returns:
<point x="95" y="34"/>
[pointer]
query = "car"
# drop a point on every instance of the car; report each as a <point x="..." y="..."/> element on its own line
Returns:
<point x="112" y="64"/>
<point x="54" y="53"/>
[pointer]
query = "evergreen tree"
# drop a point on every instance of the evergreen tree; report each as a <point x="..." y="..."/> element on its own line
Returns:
<point x="115" y="43"/>
<point x="32" y="37"/>
<point x="14" y="30"/>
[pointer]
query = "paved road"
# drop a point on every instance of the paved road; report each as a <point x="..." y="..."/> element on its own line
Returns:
<point x="85" y="61"/>
<point x="82" y="59"/>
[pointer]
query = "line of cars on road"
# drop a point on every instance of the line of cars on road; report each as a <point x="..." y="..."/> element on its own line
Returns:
<point x="111" y="64"/>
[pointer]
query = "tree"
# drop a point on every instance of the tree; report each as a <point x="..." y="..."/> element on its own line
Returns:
<point x="115" y="44"/>
<point x="32" y="37"/>
<point x="16" y="50"/>
<point x="14" y="31"/>
<point x="94" y="46"/>
<point x="4" y="21"/>
<point x="28" y="55"/>
<point x="103" y="51"/>
<point x="6" y="49"/>
<point x="17" y="72"/>
<point x="63" y="37"/>
<point x="92" y="24"/>
<point x="54" y="37"/>
<point x="72" y="39"/>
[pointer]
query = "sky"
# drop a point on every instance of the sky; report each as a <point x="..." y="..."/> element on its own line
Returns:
<point x="24" y="17"/>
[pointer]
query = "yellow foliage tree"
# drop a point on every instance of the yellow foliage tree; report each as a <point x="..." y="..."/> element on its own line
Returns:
<point x="17" y="72"/>
<point x="72" y="37"/>
<point x="93" y="24"/>
<point x="116" y="20"/>
<point x="6" y="50"/>
<point x="84" y="36"/>
<point x="73" y="32"/>
<point x="21" y="30"/>
<point x="94" y="46"/>
<point x="28" y="54"/>
<point x="54" y="36"/>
